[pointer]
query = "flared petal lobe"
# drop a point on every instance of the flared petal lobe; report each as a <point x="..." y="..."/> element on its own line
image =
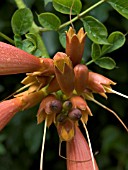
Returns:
<point x="14" y="60"/>
<point x="78" y="153"/>
<point x="75" y="45"/>
<point x="8" y="109"/>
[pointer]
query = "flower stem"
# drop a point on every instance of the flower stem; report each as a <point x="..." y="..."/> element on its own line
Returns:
<point x="6" y="38"/>
<point x="82" y="14"/>
<point x="89" y="62"/>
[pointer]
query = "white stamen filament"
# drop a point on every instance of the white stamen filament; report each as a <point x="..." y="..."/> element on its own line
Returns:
<point x="89" y="143"/>
<point x="43" y="143"/>
<point x="116" y="92"/>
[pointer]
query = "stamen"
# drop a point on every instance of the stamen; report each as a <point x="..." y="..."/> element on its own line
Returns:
<point x="100" y="104"/>
<point x="116" y="92"/>
<point x="89" y="143"/>
<point x="19" y="90"/>
<point x="43" y="143"/>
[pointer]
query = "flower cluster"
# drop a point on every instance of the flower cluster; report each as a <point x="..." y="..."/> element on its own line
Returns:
<point x="61" y="85"/>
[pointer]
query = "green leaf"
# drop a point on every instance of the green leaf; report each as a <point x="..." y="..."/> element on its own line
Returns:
<point x="28" y="46"/>
<point x="22" y="21"/>
<point x="96" y="31"/>
<point x="106" y="62"/>
<point x="116" y="40"/>
<point x="18" y="41"/>
<point x="96" y="51"/>
<point x="120" y="6"/>
<point x="68" y="6"/>
<point x="49" y="20"/>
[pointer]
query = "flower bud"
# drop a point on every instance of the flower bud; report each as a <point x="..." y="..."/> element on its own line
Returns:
<point x="61" y="117"/>
<point x="64" y="73"/>
<point x="54" y="106"/>
<point x="79" y="103"/>
<point x="75" y="114"/>
<point x="67" y="105"/>
<point x="49" y="107"/>
<point x="81" y="77"/>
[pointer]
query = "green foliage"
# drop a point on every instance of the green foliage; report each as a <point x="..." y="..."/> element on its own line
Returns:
<point x="120" y="6"/>
<point x="67" y="7"/>
<point x="116" y="40"/>
<point x="22" y="21"/>
<point x="49" y="21"/>
<point x="106" y="62"/>
<point x="96" y="31"/>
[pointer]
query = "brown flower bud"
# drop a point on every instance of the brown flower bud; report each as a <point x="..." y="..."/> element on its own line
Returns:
<point x="81" y="77"/>
<point x="54" y="106"/>
<point x="64" y="73"/>
<point x="75" y="114"/>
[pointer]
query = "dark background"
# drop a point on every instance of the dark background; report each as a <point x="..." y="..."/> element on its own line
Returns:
<point x="20" y="141"/>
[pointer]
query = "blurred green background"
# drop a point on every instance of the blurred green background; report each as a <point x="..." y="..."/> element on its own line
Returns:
<point x="20" y="141"/>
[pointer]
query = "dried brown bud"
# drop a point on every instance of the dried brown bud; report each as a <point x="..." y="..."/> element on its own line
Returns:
<point x="75" y="114"/>
<point x="54" y="106"/>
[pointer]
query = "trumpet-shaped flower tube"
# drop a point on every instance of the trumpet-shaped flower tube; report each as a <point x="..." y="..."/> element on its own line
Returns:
<point x="14" y="60"/>
<point x="8" y="109"/>
<point x="78" y="153"/>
